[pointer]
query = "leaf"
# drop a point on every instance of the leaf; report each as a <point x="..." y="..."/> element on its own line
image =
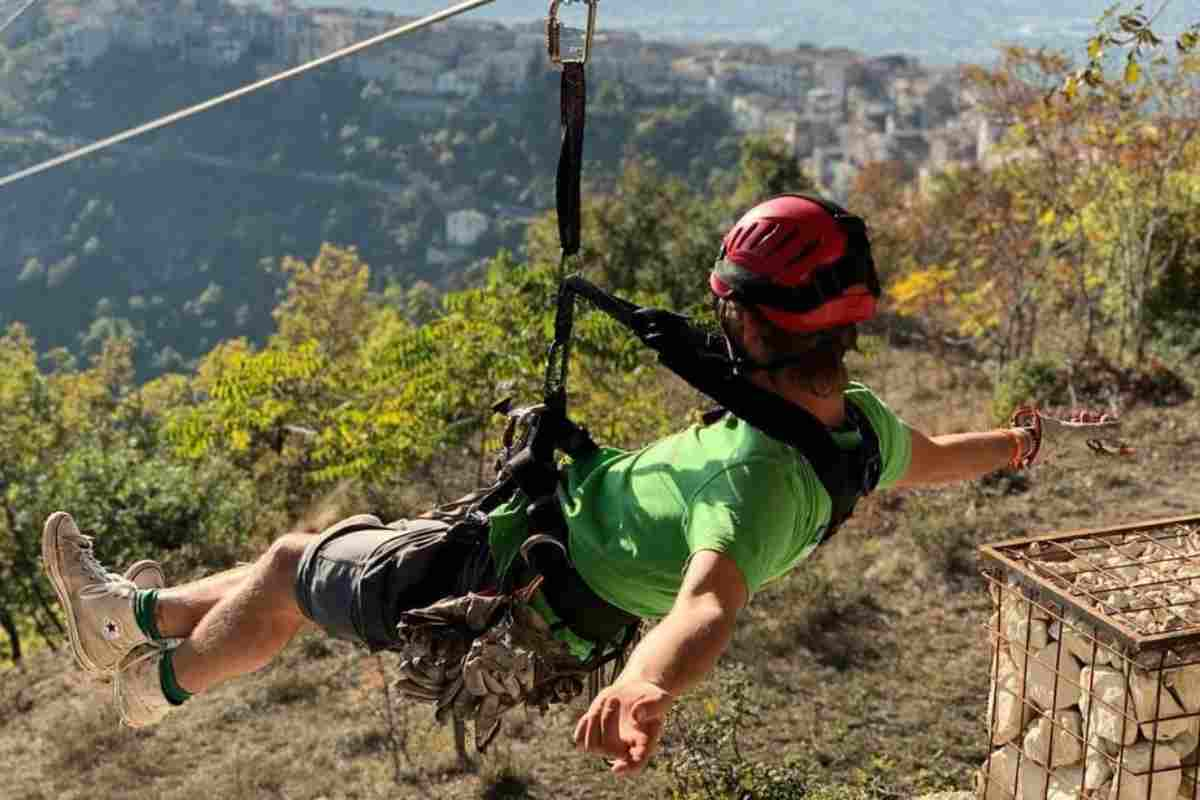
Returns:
<point x="1133" y="71"/>
<point x="1071" y="88"/>
<point x="1132" y="23"/>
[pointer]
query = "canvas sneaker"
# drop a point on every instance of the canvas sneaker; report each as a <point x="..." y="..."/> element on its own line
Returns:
<point x="137" y="688"/>
<point x="98" y="603"/>
<point x="146" y="574"/>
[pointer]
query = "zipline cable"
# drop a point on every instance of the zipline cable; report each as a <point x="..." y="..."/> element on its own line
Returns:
<point x="8" y="22"/>
<point x="182" y="114"/>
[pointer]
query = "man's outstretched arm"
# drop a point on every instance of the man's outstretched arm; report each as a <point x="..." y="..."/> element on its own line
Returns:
<point x="625" y="721"/>
<point x="959" y="456"/>
<point x="966" y="456"/>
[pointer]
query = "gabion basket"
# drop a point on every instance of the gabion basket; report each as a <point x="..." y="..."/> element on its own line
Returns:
<point x="1095" y="679"/>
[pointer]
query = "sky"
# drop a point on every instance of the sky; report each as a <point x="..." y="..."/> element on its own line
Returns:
<point x="936" y="31"/>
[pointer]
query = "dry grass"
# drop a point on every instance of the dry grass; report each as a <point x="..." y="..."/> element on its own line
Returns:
<point x="868" y="668"/>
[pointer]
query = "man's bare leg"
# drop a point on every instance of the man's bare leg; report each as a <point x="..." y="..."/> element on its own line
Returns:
<point x="247" y="626"/>
<point x="180" y="608"/>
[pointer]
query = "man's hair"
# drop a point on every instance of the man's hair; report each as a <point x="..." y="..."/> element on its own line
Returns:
<point x="814" y="360"/>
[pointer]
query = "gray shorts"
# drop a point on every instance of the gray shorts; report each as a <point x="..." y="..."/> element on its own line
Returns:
<point x="359" y="574"/>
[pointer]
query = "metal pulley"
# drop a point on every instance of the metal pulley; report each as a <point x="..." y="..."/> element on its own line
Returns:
<point x="554" y="32"/>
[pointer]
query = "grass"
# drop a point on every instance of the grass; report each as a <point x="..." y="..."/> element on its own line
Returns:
<point x="863" y="676"/>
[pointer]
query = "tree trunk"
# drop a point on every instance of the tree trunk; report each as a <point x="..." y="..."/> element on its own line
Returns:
<point x="14" y="636"/>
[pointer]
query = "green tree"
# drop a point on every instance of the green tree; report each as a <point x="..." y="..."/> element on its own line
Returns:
<point x="767" y="167"/>
<point x="652" y="234"/>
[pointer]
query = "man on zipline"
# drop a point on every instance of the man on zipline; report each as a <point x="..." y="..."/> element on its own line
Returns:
<point x="685" y="530"/>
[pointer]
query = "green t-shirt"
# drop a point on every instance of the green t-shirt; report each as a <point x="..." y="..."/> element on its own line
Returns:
<point x="635" y="518"/>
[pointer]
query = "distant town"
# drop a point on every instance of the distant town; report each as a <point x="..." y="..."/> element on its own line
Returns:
<point x="837" y="109"/>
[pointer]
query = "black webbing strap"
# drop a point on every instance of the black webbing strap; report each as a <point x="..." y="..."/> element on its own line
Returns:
<point x="570" y="158"/>
<point x="855" y="476"/>
<point x="700" y="359"/>
<point x="569" y="196"/>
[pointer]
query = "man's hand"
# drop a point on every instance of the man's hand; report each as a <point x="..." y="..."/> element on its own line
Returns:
<point x="624" y="723"/>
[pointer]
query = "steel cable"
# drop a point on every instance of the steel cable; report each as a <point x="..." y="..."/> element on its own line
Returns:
<point x="8" y="22"/>
<point x="182" y="114"/>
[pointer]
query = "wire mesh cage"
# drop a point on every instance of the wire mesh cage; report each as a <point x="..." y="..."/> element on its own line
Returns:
<point x="1095" y="677"/>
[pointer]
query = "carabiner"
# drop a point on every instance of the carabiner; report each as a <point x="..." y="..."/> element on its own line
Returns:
<point x="554" y="33"/>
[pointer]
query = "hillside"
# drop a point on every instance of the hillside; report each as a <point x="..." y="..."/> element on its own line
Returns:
<point x="866" y="670"/>
<point x="176" y="240"/>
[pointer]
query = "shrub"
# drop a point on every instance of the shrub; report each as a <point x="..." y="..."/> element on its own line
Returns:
<point x="1025" y="381"/>
<point x="138" y="503"/>
<point x="704" y="754"/>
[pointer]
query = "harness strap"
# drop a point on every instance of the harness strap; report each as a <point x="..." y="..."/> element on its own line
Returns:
<point x="855" y="476"/>
<point x="700" y="358"/>
<point x="581" y="610"/>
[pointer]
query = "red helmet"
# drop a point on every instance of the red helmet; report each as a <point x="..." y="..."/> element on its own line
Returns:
<point x="804" y="261"/>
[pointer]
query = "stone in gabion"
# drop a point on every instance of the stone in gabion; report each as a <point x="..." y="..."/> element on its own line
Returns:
<point x="999" y="774"/>
<point x="1150" y="703"/>
<point x="1005" y="703"/>
<point x="1065" y="730"/>
<point x="1148" y="785"/>
<point x="1041" y="686"/>
<point x="1106" y="716"/>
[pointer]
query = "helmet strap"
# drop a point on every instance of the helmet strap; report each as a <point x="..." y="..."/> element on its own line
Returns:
<point x="745" y="364"/>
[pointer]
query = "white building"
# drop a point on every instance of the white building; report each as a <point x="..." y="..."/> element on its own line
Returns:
<point x="750" y="112"/>
<point x="988" y="135"/>
<point x="464" y="228"/>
